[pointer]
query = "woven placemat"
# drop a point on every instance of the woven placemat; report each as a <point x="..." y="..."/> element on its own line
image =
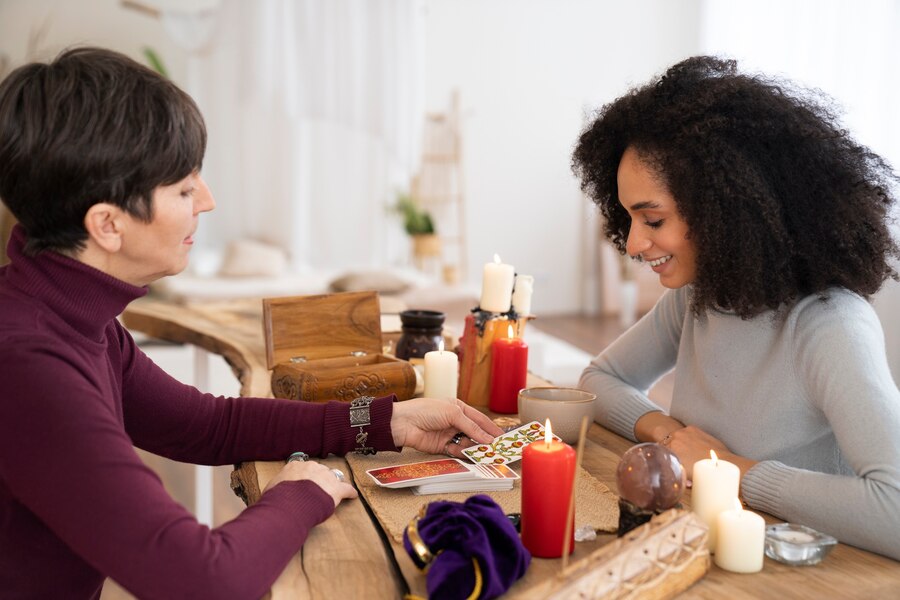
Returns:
<point x="595" y="504"/>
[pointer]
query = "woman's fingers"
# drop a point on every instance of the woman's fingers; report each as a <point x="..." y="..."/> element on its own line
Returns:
<point x="321" y="475"/>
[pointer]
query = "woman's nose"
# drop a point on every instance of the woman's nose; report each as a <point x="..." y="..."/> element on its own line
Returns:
<point x="636" y="243"/>
<point x="203" y="199"/>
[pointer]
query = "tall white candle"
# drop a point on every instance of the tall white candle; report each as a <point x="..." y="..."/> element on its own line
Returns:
<point x="741" y="540"/>
<point x="496" y="286"/>
<point x="441" y="372"/>
<point x="521" y="298"/>
<point x="715" y="485"/>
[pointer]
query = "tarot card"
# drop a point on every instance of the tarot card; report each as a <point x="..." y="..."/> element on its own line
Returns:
<point x="399" y="476"/>
<point x="484" y="478"/>
<point x="507" y="448"/>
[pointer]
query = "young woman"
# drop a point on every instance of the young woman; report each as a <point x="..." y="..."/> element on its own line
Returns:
<point x="769" y="225"/>
<point x="100" y="163"/>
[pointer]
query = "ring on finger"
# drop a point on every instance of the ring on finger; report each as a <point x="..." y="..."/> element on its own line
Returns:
<point x="339" y="475"/>
<point x="455" y="440"/>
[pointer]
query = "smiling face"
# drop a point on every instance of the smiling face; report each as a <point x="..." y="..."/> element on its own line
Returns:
<point x="658" y="234"/>
<point x="160" y="247"/>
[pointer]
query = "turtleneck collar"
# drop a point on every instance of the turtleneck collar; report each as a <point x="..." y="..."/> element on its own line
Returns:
<point x="83" y="296"/>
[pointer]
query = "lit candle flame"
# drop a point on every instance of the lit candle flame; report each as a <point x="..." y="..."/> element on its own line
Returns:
<point x="497" y="258"/>
<point x="715" y="459"/>
<point x="548" y="433"/>
<point x="441" y="346"/>
<point x="511" y="333"/>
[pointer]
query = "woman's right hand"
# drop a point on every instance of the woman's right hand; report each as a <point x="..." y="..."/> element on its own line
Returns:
<point x="319" y="474"/>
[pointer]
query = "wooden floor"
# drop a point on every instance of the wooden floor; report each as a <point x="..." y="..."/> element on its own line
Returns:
<point x="588" y="333"/>
<point x="594" y="333"/>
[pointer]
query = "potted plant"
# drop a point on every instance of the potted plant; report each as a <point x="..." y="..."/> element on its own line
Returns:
<point x="420" y="227"/>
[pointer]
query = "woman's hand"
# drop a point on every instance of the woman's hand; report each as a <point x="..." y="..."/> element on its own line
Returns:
<point x="691" y="444"/>
<point x="428" y="424"/>
<point x="654" y="426"/>
<point x="319" y="474"/>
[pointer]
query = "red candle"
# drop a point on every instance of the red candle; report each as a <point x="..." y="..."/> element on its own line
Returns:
<point x="509" y="368"/>
<point x="548" y="472"/>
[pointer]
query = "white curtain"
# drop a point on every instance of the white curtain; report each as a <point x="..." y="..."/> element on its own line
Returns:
<point x="313" y="109"/>
<point x="849" y="50"/>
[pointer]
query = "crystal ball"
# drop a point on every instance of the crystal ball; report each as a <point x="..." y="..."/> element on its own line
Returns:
<point x="651" y="477"/>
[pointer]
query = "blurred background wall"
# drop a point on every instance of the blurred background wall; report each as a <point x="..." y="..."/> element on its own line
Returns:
<point x="315" y="109"/>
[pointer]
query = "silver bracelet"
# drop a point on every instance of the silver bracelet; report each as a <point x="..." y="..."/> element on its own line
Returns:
<point x="360" y="417"/>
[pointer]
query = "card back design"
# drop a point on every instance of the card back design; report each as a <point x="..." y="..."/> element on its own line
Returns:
<point x="414" y="473"/>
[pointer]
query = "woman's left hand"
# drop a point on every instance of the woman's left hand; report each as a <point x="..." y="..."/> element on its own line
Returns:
<point x="691" y="444"/>
<point x="429" y="424"/>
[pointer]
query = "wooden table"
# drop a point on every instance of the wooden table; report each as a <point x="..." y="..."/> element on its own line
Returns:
<point x="349" y="556"/>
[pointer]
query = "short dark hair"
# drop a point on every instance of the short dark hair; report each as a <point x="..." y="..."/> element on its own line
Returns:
<point x="779" y="201"/>
<point x="91" y="126"/>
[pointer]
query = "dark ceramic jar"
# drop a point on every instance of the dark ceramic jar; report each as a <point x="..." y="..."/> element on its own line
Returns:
<point x="421" y="333"/>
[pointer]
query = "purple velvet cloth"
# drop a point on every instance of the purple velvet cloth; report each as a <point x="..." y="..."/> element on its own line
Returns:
<point x="455" y="533"/>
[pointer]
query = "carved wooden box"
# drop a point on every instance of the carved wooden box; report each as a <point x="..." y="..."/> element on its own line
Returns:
<point x="328" y="347"/>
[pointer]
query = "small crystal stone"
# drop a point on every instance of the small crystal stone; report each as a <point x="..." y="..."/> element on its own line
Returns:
<point x="585" y="533"/>
<point x="650" y="477"/>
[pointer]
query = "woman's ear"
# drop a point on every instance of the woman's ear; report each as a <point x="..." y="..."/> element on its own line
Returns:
<point x="105" y="225"/>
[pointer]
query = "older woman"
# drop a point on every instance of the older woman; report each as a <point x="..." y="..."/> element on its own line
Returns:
<point x="100" y="163"/>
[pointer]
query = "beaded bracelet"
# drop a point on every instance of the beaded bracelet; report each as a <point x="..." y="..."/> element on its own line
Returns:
<point x="360" y="417"/>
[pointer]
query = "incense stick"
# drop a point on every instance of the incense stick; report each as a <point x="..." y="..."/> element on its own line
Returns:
<point x="570" y="517"/>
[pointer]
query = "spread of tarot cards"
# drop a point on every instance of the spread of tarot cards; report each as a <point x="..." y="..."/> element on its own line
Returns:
<point x="445" y="475"/>
<point x="506" y="448"/>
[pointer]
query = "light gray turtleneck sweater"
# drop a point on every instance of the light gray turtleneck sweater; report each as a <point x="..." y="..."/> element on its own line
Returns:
<point x="810" y="397"/>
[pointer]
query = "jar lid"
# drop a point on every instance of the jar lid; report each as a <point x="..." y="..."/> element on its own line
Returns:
<point x="422" y="319"/>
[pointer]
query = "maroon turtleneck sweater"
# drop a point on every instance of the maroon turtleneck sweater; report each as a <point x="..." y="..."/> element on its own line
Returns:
<point x="76" y="502"/>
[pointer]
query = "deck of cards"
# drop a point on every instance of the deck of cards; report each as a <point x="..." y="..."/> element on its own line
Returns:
<point x="490" y="471"/>
<point x="445" y="475"/>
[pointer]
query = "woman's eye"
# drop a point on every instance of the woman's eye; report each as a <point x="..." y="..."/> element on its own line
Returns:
<point x="654" y="224"/>
<point x="187" y="193"/>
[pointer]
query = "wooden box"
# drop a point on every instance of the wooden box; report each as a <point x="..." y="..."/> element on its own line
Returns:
<point x="329" y="347"/>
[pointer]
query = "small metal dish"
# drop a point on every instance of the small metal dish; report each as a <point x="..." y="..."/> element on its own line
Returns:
<point x="797" y="545"/>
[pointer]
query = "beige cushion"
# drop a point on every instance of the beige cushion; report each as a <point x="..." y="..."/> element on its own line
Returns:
<point x="383" y="282"/>
<point x="249" y="258"/>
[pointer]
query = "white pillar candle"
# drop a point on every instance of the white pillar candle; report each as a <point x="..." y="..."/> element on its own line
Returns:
<point x="521" y="298"/>
<point x="496" y="286"/>
<point x="715" y="485"/>
<point x="741" y="541"/>
<point x="441" y="372"/>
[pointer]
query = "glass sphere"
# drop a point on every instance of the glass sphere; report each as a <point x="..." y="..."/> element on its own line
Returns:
<point x="651" y="477"/>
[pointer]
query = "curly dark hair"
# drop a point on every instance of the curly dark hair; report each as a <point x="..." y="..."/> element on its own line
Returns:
<point x="779" y="201"/>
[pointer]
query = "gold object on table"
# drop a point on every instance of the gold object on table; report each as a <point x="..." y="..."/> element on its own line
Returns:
<point x="415" y="540"/>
